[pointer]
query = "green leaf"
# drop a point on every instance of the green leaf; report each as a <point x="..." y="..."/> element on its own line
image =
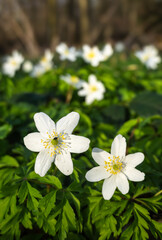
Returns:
<point x="33" y="193"/>
<point x="48" y="179"/>
<point x="26" y="219"/>
<point x="70" y="215"/>
<point x="66" y="220"/>
<point x="23" y="192"/>
<point x="8" y="161"/>
<point x="48" y="202"/>
<point x="5" y="130"/>
<point x="4" y="203"/>
<point x="127" y="126"/>
<point x="147" y="104"/>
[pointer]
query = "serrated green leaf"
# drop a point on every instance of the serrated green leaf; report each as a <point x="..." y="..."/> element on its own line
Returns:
<point x="32" y="203"/>
<point x="48" y="202"/>
<point x="23" y="192"/>
<point x="33" y="191"/>
<point x="4" y="203"/>
<point x="26" y="219"/>
<point x="70" y="215"/>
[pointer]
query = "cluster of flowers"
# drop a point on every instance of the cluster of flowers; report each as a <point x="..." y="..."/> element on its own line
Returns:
<point x="55" y="143"/>
<point x="92" y="55"/>
<point x="93" y="89"/>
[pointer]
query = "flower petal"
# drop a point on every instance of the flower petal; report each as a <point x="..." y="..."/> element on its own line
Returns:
<point x="68" y="123"/>
<point x="78" y="144"/>
<point x="33" y="142"/>
<point x="64" y="163"/>
<point x="118" y="147"/>
<point x="109" y="187"/>
<point x="122" y="183"/>
<point x="132" y="160"/>
<point x="92" y="79"/>
<point x="90" y="98"/>
<point x="43" y="162"/>
<point x="133" y="174"/>
<point x="96" y="174"/>
<point x="100" y="156"/>
<point x="44" y="123"/>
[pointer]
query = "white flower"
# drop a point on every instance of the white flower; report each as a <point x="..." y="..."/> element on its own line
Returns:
<point x="38" y="70"/>
<point x="149" y="56"/>
<point x="106" y="52"/>
<point x="12" y="64"/>
<point x="27" y="66"/>
<point x="92" y="55"/>
<point x="46" y="60"/>
<point x="119" y="47"/>
<point x="66" y="52"/>
<point x="55" y="142"/>
<point x="92" y="90"/>
<point x="72" y="80"/>
<point x="115" y="168"/>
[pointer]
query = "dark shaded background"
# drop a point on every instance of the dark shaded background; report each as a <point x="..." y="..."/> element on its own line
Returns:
<point x="33" y="25"/>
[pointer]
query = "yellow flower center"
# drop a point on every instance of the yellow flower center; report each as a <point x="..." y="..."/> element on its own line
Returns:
<point x="113" y="165"/>
<point x="91" y="54"/>
<point x="74" y="79"/>
<point x="56" y="143"/>
<point x="44" y="59"/>
<point x="93" y="88"/>
<point x="146" y="57"/>
<point x="66" y="52"/>
<point x="13" y="62"/>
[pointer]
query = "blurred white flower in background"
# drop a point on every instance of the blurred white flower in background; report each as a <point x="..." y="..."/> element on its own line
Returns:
<point x="55" y="142"/>
<point x="12" y="63"/>
<point x="72" y="80"/>
<point x="27" y="66"/>
<point x="45" y="64"/>
<point x="66" y="53"/>
<point x="46" y="60"/>
<point x="119" y="47"/>
<point x="92" y="55"/>
<point x="115" y="168"/>
<point x="38" y="70"/>
<point x="149" y="56"/>
<point x="93" y="90"/>
<point x="107" y="51"/>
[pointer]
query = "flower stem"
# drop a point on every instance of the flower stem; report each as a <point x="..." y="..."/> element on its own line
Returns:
<point x="69" y="95"/>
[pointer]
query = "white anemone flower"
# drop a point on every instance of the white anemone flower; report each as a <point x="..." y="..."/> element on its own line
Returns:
<point x="93" y="90"/>
<point x="72" y="80"/>
<point x="12" y="63"/>
<point x="38" y="70"/>
<point x="119" y="47"/>
<point x="149" y="56"/>
<point x="46" y="60"/>
<point x="55" y="142"/>
<point x="27" y="66"/>
<point x="107" y="51"/>
<point x="115" y="168"/>
<point x="92" y="55"/>
<point x="66" y="53"/>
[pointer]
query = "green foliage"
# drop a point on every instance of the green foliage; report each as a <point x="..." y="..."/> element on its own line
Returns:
<point x="68" y="207"/>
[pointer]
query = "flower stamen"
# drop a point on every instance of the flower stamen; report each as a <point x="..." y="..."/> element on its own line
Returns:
<point x="56" y="143"/>
<point x="113" y="165"/>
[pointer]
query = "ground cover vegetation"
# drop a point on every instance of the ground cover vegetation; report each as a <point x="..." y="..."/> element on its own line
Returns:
<point x="56" y="206"/>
